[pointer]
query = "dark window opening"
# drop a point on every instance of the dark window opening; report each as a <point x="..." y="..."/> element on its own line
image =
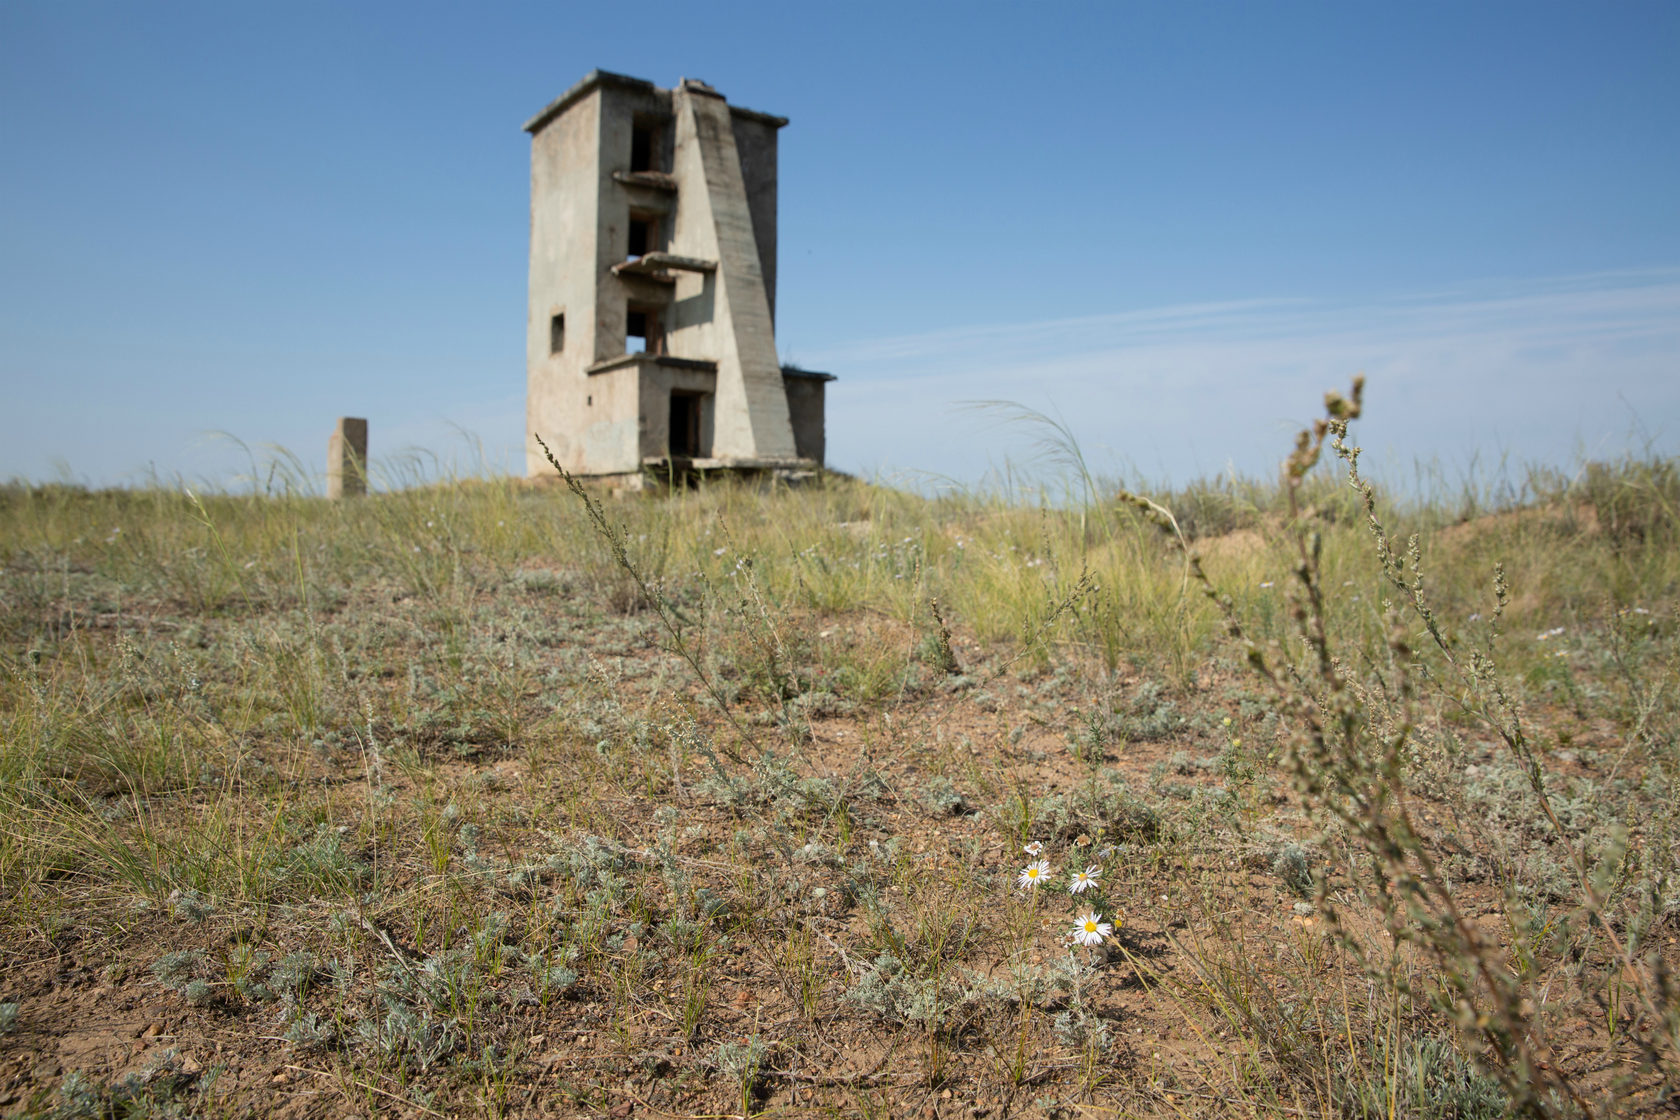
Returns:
<point x="643" y="139"/>
<point x="641" y="331"/>
<point x="557" y="333"/>
<point x="685" y="426"/>
<point x="641" y="235"/>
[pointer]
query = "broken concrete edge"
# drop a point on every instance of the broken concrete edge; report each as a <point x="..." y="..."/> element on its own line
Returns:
<point x="588" y="82"/>
<point x="672" y="260"/>
<point x="703" y="365"/>
<point x="683" y="462"/>
<point x="653" y="180"/>
<point x="658" y="474"/>
<point x="597" y="78"/>
<point x="649" y="264"/>
<point x="810" y="374"/>
<point x="762" y="118"/>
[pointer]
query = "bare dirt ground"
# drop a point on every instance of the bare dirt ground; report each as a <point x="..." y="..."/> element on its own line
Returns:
<point x="521" y="864"/>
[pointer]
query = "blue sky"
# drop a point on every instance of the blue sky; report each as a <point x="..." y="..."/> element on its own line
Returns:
<point x="1174" y="224"/>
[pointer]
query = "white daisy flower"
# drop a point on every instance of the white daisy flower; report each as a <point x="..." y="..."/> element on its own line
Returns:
<point x="1033" y="849"/>
<point x="1085" y="880"/>
<point x="1033" y="874"/>
<point x="1091" y="929"/>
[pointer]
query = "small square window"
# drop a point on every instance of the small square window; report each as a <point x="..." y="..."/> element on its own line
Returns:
<point x="557" y="333"/>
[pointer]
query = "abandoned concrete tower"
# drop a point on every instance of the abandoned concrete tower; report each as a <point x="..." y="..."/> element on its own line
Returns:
<point x="651" y="344"/>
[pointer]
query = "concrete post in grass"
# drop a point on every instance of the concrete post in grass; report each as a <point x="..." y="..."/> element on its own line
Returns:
<point x="347" y="459"/>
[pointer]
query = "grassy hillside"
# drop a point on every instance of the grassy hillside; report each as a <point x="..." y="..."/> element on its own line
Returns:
<point x="481" y="798"/>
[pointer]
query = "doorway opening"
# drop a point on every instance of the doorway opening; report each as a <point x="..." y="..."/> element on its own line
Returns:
<point x="685" y="426"/>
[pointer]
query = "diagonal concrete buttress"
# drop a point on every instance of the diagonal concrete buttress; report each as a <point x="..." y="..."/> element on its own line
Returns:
<point x="751" y="415"/>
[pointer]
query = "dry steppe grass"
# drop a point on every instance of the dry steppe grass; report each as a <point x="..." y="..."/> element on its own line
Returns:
<point x="477" y="799"/>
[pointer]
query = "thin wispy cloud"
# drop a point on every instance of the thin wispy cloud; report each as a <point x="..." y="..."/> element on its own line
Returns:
<point x="1545" y="371"/>
<point x="1550" y="371"/>
<point x="1137" y="324"/>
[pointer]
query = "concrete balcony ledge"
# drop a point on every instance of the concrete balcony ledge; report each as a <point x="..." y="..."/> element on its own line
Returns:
<point x="653" y="180"/>
<point x="624" y="361"/>
<point x="655" y="264"/>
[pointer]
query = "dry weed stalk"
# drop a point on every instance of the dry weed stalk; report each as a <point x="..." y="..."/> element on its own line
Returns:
<point x="615" y="539"/>
<point x="1349" y="745"/>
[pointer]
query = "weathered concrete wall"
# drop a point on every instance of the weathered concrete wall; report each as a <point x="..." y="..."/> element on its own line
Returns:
<point x="565" y="161"/>
<point x="612" y="437"/>
<point x="621" y="107"/>
<point x="657" y="384"/>
<point x="805" y="411"/>
<point x="692" y="331"/>
<point x="755" y="142"/>
<point x="714" y="223"/>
